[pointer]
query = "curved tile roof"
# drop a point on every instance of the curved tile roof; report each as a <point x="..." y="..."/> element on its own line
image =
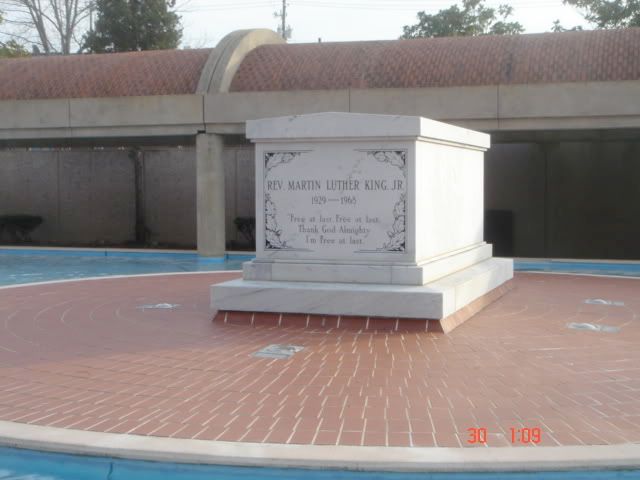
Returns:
<point x="159" y="72"/>
<point x="611" y="55"/>
<point x="444" y="62"/>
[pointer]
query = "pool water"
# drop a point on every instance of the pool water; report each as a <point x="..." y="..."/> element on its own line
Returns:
<point x="31" y="465"/>
<point x="622" y="269"/>
<point x="29" y="266"/>
<point x="18" y="266"/>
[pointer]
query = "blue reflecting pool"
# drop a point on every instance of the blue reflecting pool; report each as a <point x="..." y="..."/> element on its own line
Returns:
<point x="19" y="266"/>
<point x="28" y="266"/>
<point x="30" y="465"/>
<point x="622" y="269"/>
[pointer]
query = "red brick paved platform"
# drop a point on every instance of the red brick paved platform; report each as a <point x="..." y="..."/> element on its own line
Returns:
<point x="84" y="355"/>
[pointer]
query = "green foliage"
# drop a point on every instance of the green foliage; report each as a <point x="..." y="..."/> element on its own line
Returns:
<point x="472" y="18"/>
<point x="133" y="25"/>
<point x="12" y="49"/>
<point x="557" y="28"/>
<point x="607" y="14"/>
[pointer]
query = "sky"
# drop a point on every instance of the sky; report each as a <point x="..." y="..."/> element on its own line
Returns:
<point x="205" y="22"/>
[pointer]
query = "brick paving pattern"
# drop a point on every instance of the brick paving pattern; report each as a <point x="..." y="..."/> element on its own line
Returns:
<point x="85" y="355"/>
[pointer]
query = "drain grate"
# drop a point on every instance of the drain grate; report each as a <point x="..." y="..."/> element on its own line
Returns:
<point x="594" y="327"/>
<point x="160" y="306"/>
<point x="600" y="301"/>
<point x="278" y="351"/>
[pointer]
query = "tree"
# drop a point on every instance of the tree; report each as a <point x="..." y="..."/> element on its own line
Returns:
<point x="54" y="26"/>
<point x="12" y="49"/>
<point x="474" y="18"/>
<point x="609" y="13"/>
<point x="558" y="28"/>
<point x="132" y="25"/>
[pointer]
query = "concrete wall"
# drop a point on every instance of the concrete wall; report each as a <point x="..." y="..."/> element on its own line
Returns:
<point x="594" y="200"/>
<point x="170" y="196"/>
<point x="568" y="199"/>
<point x="240" y="187"/>
<point x="83" y="196"/>
<point x="515" y="182"/>
<point x="87" y="197"/>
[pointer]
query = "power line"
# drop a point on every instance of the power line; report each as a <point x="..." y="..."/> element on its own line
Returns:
<point x="375" y="3"/>
<point x="229" y="6"/>
<point x="398" y="5"/>
<point x="419" y="3"/>
<point x="378" y="5"/>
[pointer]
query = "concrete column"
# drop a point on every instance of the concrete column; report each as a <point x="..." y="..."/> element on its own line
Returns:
<point x="211" y="193"/>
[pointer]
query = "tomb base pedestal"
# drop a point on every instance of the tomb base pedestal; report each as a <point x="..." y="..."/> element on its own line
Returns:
<point x="449" y="301"/>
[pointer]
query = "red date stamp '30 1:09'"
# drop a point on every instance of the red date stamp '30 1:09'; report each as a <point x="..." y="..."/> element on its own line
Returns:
<point x="518" y="435"/>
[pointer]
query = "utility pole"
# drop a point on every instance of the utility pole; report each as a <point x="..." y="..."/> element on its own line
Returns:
<point x="284" y="19"/>
<point x="283" y="28"/>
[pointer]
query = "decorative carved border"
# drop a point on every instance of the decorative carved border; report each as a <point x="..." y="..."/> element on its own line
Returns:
<point x="272" y="231"/>
<point x="397" y="234"/>
<point x="274" y="159"/>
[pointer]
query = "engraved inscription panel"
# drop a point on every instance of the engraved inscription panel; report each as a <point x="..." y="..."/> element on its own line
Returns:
<point x="335" y="205"/>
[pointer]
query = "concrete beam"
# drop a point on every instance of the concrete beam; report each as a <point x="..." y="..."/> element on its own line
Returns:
<point x="227" y="128"/>
<point x="158" y="110"/>
<point x="110" y="133"/>
<point x="460" y="103"/>
<point x="577" y="100"/>
<point x="160" y="115"/>
<point x="34" y="114"/>
<point x="242" y="106"/>
<point x="569" y="123"/>
<point x="595" y="105"/>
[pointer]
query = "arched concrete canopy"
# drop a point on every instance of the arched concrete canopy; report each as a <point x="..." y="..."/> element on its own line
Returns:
<point x="224" y="60"/>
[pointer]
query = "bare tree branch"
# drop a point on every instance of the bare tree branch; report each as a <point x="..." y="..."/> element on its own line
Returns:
<point x="59" y="24"/>
<point x="20" y="37"/>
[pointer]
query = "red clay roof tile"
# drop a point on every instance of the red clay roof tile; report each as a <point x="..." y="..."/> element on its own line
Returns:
<point x="611" y="55"/>
<point x="159" y="72"/>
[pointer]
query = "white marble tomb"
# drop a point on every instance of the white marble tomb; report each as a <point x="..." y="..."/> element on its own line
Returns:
<point x="370" y="215"/>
